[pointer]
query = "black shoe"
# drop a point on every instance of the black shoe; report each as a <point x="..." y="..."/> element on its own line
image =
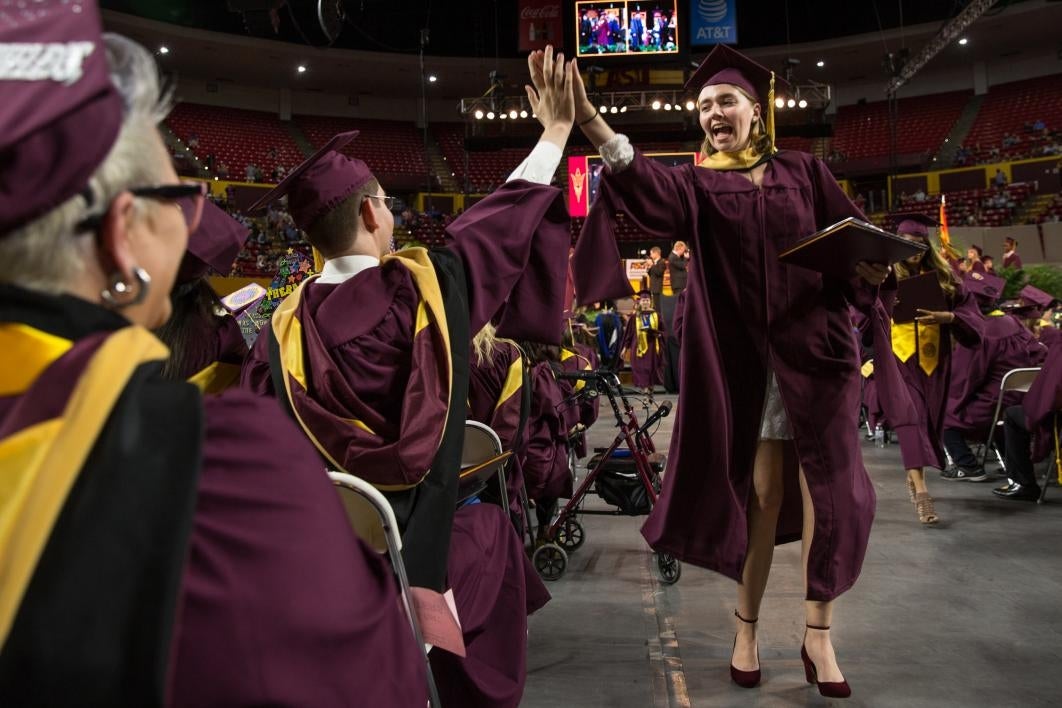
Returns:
<point x="1008" y="487"/>
<point x="963" y="474"/>
<point x="1019" y="492"/>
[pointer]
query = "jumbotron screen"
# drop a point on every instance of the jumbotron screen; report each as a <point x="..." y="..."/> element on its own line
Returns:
<point x="608" y="29"/>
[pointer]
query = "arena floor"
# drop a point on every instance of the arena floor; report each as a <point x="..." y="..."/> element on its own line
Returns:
<point x="966" y="614"/>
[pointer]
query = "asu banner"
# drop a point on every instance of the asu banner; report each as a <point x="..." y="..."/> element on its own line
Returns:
<point x="578" y="185"/>
<point x="713" y="22"/>
<point x="540" y="24"/>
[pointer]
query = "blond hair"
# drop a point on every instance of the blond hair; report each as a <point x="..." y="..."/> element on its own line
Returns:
<point x="945" y="275"/>
<point x="484" y="343"/>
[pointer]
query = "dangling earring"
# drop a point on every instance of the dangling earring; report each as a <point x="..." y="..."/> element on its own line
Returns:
<point x="121" y="294"/>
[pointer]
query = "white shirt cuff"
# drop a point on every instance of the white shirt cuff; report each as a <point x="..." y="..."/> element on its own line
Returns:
<point x="540" y="165"/>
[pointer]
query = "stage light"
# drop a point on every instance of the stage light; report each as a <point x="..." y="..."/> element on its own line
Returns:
<point x="963" y="41"/>
<point x="690" y="105"/>
<point x="779" y="102"/>
<point x="215" y="178"/>
<point x="523" y="114"/>
<point x="478" y="114"/>
<point x="820" y="63"/>
<point x="164" y="49"/>
<point x="503" y="115"/>
<point x="432" y="78"/>
<point x="490" y="115"/>
<point x="301" y="69"/>
<point x="790" y="103"/>
<point x="803" y="103"/>
<point x="604" y="109"/>
<point x="614" y="109"/>
<point x="514" y="114"/>
<point x="656" y="105"/>
<point x="667" y="106"/>
<point x="623" y="109"/>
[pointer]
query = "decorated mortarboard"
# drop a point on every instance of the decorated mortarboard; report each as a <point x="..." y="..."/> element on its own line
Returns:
<point x="248" y="296"/>
<point x="292" y="268"/>
<point x="321" y="183"/>
<point x="1032" y="295"/>
<point x="724" y="65"/>
<point x="915" y="224"/>
<point x="984" y="285"/>
<point x="214" y="244"/>
<point x="60" y="112"/>
<point x="1025" y="312"/>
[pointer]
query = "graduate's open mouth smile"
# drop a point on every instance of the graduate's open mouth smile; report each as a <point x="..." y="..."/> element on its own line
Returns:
<point x="722" y="130"/>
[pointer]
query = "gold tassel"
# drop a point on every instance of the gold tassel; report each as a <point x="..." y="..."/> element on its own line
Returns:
<point x="318" y="261"/>
<point x="770" y="113"/>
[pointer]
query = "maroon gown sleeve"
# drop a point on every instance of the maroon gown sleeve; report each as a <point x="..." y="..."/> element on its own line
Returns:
<point x="281" y="604"/>
<point x="514" y="247"/>
<point x="1043" y="400"/>
<point x="255" y="373"/>
<point x="969" y="324"/>
<point x="656" y="198"/>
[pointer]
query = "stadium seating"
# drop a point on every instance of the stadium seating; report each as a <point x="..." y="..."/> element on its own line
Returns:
<point x="235" y="137"/>
<point x="972" y="207"/>
<point x="862" y="131"/>
<point x="388" y="147"/>
<point x="1013" y="108"/>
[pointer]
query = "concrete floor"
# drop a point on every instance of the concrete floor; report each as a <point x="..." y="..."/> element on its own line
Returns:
<point x="966" y="614"/>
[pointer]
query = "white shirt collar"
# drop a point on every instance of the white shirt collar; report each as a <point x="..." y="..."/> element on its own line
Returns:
<point x="341" y="269"/>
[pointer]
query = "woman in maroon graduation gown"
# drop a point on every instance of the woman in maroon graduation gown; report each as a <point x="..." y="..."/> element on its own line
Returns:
<point x="644" y="341"/>
<point x="768" y="359"/>
<point x="166" y="546"/>
<point x="923" y="348"/>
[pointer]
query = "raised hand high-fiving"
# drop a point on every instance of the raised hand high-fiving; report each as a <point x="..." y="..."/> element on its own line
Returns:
<point x="550" y="94"/>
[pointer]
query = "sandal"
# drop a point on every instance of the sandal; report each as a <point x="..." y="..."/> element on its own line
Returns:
<point x="927" y="515"/>
<point x="911" y="490"/>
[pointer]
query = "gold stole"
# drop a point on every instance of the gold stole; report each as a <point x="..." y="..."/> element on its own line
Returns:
<point x="216" y="377"/>
<point x="740" y="160"/>
<point x="927" y="344"/>
<point x="40" y="464"/>
<point x="643" y="337"/>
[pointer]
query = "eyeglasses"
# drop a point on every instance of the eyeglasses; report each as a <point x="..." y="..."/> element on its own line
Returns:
<point x="189" y="198"/>
<point x="388" y="201"/>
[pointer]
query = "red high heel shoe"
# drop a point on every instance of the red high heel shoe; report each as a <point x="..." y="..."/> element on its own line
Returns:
<point x="745" y="679"/>
<point x="835" y="689"/>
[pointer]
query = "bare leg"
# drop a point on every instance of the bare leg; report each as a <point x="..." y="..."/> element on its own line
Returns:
<point x="819" y="614"/>
<point x="917" y="477"/>
<point x="764" y="507"/>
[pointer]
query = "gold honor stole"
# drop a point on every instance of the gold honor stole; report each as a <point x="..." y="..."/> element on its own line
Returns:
<point x="216" y="377"/>
<point x="742" y="160"/>
<point x="565" y="355"/>
<point x="514" y="378"/>
<point x="642" y="323"/>
<point x="430" y="313"/>
<point x="911" y="337"/>
<point x="40" y="464"/>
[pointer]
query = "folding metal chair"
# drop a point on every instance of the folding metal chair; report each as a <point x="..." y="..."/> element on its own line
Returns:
<point x="482" y="458"/>
<point x="1013" y="380"/>
<point x="374" y="522"/>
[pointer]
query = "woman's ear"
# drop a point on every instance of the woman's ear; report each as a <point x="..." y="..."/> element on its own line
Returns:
<point x="115" y="238"/>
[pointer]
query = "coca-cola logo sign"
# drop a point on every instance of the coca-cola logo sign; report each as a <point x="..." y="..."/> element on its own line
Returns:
<point x="546" y="12"/>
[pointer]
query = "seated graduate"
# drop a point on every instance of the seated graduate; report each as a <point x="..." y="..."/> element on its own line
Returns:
<point x="644" y="341"/>
<point x="159" y="547"/>
<point x="372" y="357"/>
<point x="575" y="357"/>
<point x="498" y="397"/>
<point x="206" y="345"/>
<point x="977" y="373"/>
<point x="547" y="475"/>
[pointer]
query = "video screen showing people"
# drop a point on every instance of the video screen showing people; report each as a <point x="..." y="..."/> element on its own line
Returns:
<point x="625" y="28"/>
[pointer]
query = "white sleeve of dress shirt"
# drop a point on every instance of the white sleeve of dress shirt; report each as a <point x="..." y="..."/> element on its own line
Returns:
<point x="540" y="165"/>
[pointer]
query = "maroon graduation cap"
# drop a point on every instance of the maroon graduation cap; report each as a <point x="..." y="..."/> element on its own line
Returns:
<point x="60" y="113"/>
<point x="984" y="285"/>
<point x="214" y="244"/>
<point x="724" y="65"/>
<point x="915" y="225"/>
<point x="320" y="183"/>
<point x="1032" y="295"/>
